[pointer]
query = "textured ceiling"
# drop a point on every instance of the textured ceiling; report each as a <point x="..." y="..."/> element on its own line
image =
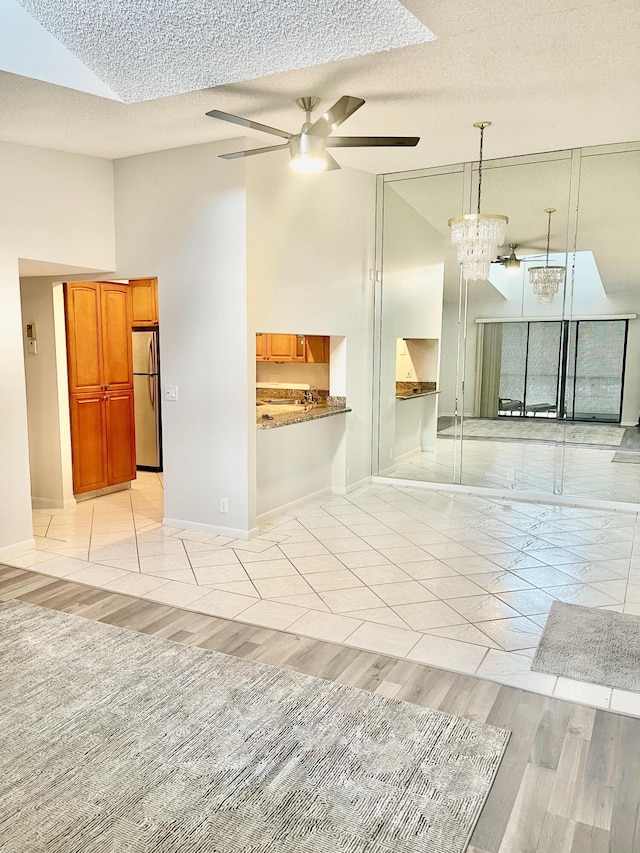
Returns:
<point x="550" y="74"/>
<point x="144" y="49"/>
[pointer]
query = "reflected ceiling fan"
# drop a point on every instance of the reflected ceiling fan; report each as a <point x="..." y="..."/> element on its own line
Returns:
<point x="512" y="262"/>
<point x="309" y="147"/>
<point x="509" y="262"/>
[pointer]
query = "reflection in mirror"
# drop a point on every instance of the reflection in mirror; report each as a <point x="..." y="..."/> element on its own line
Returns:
<point x="534" y="397"/>
<point x="414" y="234"/>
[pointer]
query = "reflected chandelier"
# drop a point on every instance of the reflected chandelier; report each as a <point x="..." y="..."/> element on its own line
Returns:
<point x="477" y="236"/>
<point x="546" y="280"/>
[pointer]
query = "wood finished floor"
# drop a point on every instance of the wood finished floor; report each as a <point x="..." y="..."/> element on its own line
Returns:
<point x="570" y="779"/>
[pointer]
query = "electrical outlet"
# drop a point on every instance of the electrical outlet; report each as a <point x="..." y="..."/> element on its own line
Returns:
<point x="224" y="504"/>
<point x="273" y="377"/>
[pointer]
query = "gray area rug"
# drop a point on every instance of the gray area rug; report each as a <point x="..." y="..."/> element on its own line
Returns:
<point x="628" y="457"/>
<point x="116" y="741"/>
<point x="540" y="429"/>
<point x="589" y="644"/>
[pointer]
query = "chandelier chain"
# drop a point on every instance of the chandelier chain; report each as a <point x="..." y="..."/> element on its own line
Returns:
<point x="480" y="166"/>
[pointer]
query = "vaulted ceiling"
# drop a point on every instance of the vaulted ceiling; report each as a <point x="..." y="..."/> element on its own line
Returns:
<point x="550" y="74"/>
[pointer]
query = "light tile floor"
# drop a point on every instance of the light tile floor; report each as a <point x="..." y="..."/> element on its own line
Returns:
<point x="453" y="580"/>
<point x="533" y="466"/>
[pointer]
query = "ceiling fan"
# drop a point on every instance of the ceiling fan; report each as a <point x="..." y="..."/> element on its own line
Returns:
<point x="512" y="262"/>
<point x="509" y="262"/>
<point x="308" y="148"/>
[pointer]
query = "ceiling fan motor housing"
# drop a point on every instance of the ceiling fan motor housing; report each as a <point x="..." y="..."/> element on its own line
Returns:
<point x="306" y="145"/>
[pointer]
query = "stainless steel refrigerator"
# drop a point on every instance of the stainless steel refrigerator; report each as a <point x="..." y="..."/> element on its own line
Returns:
<point x="146" y="394"/>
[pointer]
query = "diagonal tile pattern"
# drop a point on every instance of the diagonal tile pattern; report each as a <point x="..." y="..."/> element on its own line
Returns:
<point x="454" y="580"/>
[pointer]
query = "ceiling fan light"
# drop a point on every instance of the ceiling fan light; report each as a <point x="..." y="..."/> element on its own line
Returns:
<point x="308" y="153"/>
<point x="512" y="263"/>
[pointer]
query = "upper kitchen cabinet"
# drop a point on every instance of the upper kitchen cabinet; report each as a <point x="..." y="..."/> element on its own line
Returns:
<point x="317" y="349"/>
<point x="144" y="301"/>
<point x="98" y="317"/>
<point x="84" y="336"/>
<point x="117" y="356"/>
<point x="285" y="348"/>
<point x="292" y="348"/>
<point x="261" y="347"/>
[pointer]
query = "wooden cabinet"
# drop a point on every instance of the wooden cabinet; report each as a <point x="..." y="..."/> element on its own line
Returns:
<point x="117" y="358"/>
<point x="98" y="336"/>
<point x="100" y="370"/>
<point x="144" y="301"/>
<point x="261" y="347"/>
<point x="84" y="337"/>
<point x="292" y="348"/>
<point x="317" y="349"/>
<point x="120" y="427"/>
<point x="285" y="348"/>
<point x="88" y="442"/>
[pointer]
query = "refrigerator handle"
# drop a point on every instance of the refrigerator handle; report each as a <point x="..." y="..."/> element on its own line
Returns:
<point x="151" y="369"/>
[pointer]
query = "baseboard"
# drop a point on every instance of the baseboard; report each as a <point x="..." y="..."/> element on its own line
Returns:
<point x="213" y="529"/>
<point x="345" y="490"/>
<point x="52" y="503"/>
<point x="9" y="551"/>
<point x="99" y="493"/>
<point x="503" y="494"/>
<point x="271" y="513"/>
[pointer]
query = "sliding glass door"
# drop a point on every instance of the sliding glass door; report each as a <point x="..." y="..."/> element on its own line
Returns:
<point x="595" y="370"/>
<point x="573" y="370"/>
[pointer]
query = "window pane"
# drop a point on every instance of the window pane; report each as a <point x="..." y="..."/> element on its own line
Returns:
<point x="599" y="366"/>
<point x="513" y="361"/>
<point x="542" y="367"/>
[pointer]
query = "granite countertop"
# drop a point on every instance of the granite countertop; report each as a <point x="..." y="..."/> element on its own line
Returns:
<point x="412" y="395"/>
<point x="296" y="413"/>
<point x="417" y="388"/>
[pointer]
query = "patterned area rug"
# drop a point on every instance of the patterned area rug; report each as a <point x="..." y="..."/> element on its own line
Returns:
<point x="116" y="741"/>
<point x="590" y="644"/>
<point x="540" y="430"/>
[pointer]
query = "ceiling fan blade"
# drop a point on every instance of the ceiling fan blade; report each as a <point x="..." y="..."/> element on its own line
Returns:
<point x="247" y="122"/>
<point x="334" y="116"/>
<point x="370" y="141"/>
<point x="331" y="163"/>
<point x="235" y="154"/>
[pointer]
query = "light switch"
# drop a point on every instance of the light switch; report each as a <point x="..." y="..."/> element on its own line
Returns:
<point x="171" y="393"/>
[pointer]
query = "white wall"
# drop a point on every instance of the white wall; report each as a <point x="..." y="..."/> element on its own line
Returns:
<point x="181" y="216"/>
<point x="55" y="207"/>
<point x="413" y="259"/>
<point x="47" y="395"/>
<point x="294" y="462"/>
<point x="316" y="375"/>
<point x="310" y="248"/>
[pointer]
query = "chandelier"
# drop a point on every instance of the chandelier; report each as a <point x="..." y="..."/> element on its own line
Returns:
<point x="477" y="236"/>
<point x="546" y="280"/>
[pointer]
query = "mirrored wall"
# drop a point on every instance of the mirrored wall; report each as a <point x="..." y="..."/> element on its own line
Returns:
<point x="479" y="383"/>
